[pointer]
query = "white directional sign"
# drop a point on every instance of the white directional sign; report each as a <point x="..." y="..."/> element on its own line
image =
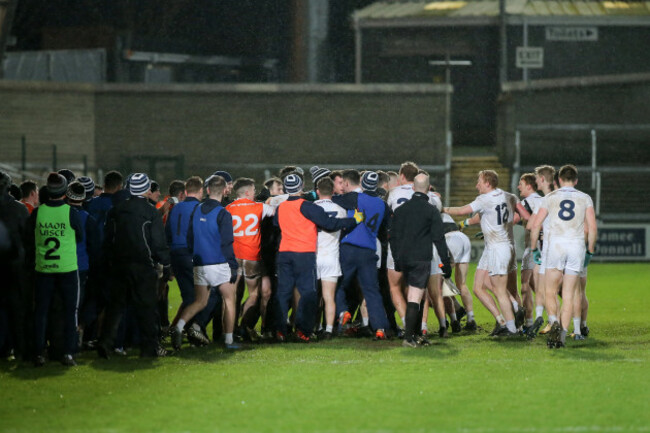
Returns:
<point x="530" y="57"/>
<point x="572" y="34"/>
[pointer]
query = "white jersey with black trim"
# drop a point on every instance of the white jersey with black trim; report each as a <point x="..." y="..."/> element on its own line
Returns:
<point x="566" y="208"/>
<point x="328" y="242"/>
<point x="496" y="209"/>
<point x="534" y="201"/>
<point x="399" y="195"/>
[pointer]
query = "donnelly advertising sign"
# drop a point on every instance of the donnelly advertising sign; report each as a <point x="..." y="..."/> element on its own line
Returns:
<point x="622" y="243"/>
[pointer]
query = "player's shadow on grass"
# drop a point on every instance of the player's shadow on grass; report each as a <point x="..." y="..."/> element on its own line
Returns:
<point x="26" y="370"/>
<point x="588" y="350"/>
<point x="439" y="349"/>
<point x="210" y="354"/>
<point x="122" y="364"/>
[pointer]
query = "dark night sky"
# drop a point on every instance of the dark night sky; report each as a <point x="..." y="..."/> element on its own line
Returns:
<point x="256" y="28"/>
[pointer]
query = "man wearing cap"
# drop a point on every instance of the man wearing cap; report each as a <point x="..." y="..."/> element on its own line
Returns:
<point x="53" y="232"/>
<point x="89" y="186"/>
<point x="359" y="248"/>
<point x="298" y="220"/>
<point x="317" y="174"/>
<point x="135" y="246"/>
<point x="68" y="174"/>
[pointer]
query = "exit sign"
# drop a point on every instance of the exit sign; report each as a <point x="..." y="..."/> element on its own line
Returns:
<point x="530" y="57"/>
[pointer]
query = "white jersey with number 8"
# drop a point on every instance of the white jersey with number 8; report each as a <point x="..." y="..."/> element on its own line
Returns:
<point x="566" y="213"/>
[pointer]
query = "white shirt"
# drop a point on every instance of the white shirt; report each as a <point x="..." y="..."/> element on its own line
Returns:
<point x="435" y="200"/>
<point x="400" y="195"/>
<point x="566" y="208"/>
<point x="534" y="200"/>
<point x="496" y="209"/>
<point x="328" y="242"/>
<point x="446" y="218"/>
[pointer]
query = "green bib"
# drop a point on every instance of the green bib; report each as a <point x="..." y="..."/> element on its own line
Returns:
<point x="56" y="246"/>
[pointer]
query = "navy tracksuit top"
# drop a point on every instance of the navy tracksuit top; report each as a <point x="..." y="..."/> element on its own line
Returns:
<point x="363" y="235"/>
<point x="178" y="224"/>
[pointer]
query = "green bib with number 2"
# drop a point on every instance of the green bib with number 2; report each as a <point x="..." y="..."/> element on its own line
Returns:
<point x="56" y="246"/>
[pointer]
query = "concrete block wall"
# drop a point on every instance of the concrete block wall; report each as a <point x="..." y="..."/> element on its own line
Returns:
<point x="47" y="114"/>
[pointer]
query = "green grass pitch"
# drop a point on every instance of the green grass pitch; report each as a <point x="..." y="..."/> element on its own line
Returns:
<point x="466" y="384"/>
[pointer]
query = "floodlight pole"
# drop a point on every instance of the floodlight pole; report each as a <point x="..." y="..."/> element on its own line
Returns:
<point x="503" y="39"/>
<point x="6" y="19"/>
<point x="448" y="63"/>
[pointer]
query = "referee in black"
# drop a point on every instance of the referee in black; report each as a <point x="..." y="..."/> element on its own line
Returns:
<point x="416" y="227"/>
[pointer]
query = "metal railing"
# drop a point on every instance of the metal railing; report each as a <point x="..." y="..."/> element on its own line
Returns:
<point x="594" y="169"/>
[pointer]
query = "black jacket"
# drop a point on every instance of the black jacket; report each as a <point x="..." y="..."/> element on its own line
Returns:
<point x="415" y="227"/>
<point x="13" y="216"/>
<point x="135" y="234"/>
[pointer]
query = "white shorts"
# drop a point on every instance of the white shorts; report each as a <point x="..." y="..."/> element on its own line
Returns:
<point x="460" y="248"/>
<point x="328" y="267"/>
<point x="212" y="275"/>
<point x="378" y="249"/>
<point x="497" y="259"/>
<point x="583" y="274"/>
<point x="390" y="263"/>
<point x="435" y="262"/>
<point x="527" y="260"/>
<point x="566" y="255"/>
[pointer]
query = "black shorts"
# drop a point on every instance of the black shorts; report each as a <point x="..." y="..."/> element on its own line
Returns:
<point x="416" y="274"/>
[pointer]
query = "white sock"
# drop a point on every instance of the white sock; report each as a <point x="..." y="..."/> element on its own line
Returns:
<point x="501" y="319"/>
<point x="576" y="325"/>
<point x="529" y="322"/>
<point x="539" y="310"/>
<point x="453" y="316"/>
<point x="228" y="338"/>
<point x="584" y="324"/>
<point x="365" y="321"/>
<point x="329" y="328"/>
<point x="180" y="324"/>
<point x="470" y="316"/>
<point x="563" y="335"/>
<point x="442" y="322"/>
<point x="510" y="324"/>
<point x="515" y="306"/>
<point x="403" y="321"/>
<point x="424" y="326"/>
<point x="552" y="320"/>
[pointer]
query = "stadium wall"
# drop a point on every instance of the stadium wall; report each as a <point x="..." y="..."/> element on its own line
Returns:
<point x="47" y="114"/>
<point x="242" y="128"/>
<point x="613" y="100"/>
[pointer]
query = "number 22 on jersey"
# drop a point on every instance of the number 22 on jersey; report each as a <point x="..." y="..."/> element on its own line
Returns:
<point x="250" y="225"/>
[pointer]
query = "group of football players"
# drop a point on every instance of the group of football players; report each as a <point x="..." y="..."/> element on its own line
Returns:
<point x="307" y="265"/>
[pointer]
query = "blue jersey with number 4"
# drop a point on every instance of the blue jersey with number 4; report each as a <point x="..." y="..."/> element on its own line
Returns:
<point x="364" y="235"/>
